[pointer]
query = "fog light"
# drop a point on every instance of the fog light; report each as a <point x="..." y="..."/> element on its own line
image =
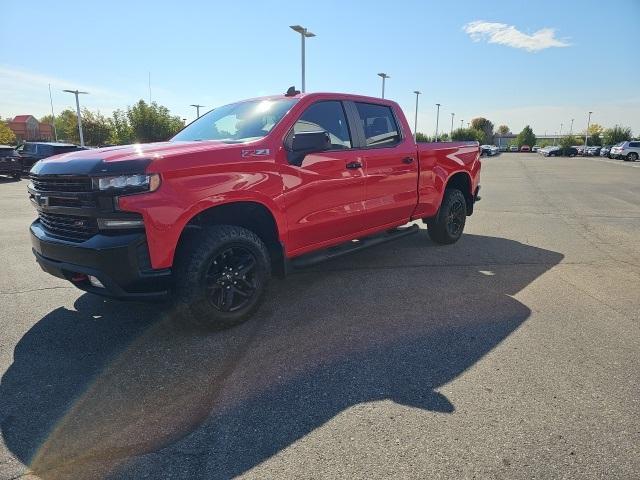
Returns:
<point x="117" y="223"/>
<point x="95" y="282"/>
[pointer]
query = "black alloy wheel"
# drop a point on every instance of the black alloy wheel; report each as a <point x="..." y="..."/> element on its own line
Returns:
<point x="231" y="279"/>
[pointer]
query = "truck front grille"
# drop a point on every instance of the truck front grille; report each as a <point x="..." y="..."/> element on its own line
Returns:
<point x="61" y="183"/>
<point x="69" y="227"/>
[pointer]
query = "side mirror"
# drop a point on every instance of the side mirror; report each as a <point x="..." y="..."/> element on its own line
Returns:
<point x="301" y="144"/>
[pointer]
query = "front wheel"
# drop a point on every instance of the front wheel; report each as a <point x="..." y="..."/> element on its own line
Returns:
<point x="221" y="275"/>
<point x="447" y="226"/>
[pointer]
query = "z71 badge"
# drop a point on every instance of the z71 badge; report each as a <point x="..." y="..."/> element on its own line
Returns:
<point x="259" y="152"/>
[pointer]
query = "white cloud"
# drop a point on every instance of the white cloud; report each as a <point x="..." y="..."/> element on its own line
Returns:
<point x="510" y="36"/>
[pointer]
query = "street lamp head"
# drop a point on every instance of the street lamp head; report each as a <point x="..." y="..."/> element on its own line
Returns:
<point x="438" y="104"/>
<point x="76" y="92"/>
<point x="384" y="75"/>
<point x="417" y="92"/>
<point x="302" y="31"/>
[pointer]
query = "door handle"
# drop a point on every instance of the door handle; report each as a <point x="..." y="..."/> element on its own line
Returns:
<point x="354" y="165"/>
<point x="407" y="160"/>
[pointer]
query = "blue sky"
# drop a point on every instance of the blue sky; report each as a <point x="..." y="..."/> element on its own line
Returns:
<point x="217" y="52"/>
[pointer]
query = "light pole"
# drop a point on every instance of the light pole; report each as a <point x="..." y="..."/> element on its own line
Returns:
<point x="451" y="133"/>
<point x="571" y="129"/>
<point x="437" y="120"/>
<point x="415" y="122"/>
<point x="76" y="93"/>
<point x="561" y="125"/>
<point x="586" y="135"/>
<point x="53" y="117"/>
<point x="384" y="77"/>
<point x="304" y="33"/>
<point x="197" y="108"/>
<point x="461" y="123"/>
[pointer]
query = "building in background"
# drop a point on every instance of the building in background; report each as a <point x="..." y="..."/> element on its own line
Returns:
<point x="27" y="128"/>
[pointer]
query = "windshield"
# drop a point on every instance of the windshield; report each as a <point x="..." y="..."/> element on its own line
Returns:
<point x="237" y="122"/>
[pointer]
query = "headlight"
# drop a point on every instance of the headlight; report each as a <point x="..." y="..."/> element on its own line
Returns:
<point x="133" y="183"/>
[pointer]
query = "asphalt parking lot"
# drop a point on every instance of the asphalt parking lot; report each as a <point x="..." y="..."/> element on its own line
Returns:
<point x="513" y="354"/>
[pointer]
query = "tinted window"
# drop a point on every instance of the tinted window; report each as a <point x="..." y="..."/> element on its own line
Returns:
<point x="634" y="144"/>
<point x="328" y="116"/>
<point x="379" y="124"/>
<point x="59" y="150"/>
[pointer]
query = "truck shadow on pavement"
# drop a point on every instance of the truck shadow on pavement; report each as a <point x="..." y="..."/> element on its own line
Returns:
<point x="114" y="390"/>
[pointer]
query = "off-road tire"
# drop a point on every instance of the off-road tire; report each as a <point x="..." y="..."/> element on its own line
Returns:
<point x="440" y="227"/>
<point x="197" y="295"/>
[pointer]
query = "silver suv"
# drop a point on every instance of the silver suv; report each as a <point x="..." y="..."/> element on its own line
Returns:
<point x="629" y="151"/>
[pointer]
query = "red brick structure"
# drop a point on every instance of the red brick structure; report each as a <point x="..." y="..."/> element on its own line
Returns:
<point x="28" y="128"/>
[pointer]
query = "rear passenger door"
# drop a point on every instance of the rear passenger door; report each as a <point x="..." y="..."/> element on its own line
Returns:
<point x="391" y="185"/>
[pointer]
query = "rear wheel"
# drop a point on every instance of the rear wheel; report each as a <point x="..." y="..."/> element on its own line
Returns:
<point x="632" y="157"/>
<point x="447" y="226"/>
<point x="221" y="275"/>
<point x="16" y="176"/>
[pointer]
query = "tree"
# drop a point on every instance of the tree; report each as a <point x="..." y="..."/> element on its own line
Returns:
<point x="467" y="134"/>
<point x="121" y="131"/>
<point x="616" y="134"/>
<point x="595" y="134"/>
<point x="421" y="137"/>
<point x="95" y="128"/>
<point x="7" y="137"/>
<point x="503" y="130"/>
<point x="568" y="141"/>
<point x="486" y="127"/>
<point x="526" y="137"/>
<point x="443" y="137"/>
<point x="66" y="125"/>
<point x="152" y="123"/>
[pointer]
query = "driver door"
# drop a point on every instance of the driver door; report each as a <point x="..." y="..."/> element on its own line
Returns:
<point x="324" y="195"/>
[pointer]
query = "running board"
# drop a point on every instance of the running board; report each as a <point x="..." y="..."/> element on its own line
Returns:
<point x="310" y="259"/>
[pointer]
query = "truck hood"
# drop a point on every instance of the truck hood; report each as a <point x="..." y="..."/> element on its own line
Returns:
<point x="123" y="158"/>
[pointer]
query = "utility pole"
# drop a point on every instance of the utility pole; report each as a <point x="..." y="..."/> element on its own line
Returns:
<point x="571" y="129"/>
<point x="76" y="93"/>
<point x="586" y="135"/>
<point x="304" y="34"/>
<point x="415" y="122"/>
<point x="197" y="108"/>
<point x="53" y="117"/>
<point x="437" y="120"/>
<point x="451" y="133"/>
<point x="384" y="77"/>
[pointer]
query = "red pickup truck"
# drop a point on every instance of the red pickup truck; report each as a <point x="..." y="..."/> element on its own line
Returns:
<point x="248" y="190"/>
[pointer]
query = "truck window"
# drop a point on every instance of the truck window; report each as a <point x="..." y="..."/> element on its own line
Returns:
<point x="328" y="116"/>
<point x="237" y="122"/>
<point x="379" y="124"/>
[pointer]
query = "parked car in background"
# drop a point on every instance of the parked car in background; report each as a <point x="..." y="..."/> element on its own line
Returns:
<point x="546" y="151"/>
<point x="535" y="148"/>
<point x="513" y="148"/>
<point x="489" y="150"/>
<point x="503" y="148"/>
<point x="593" y="151"/>
<point x="525" y="148"/>
<point x="605" y="151"/>
<point x="629" y="151"/>
<point x="580" y="149"/>
<point x="563" y="152"/>
<point x="31" y="152"/>
<point x="10" y="163"/>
